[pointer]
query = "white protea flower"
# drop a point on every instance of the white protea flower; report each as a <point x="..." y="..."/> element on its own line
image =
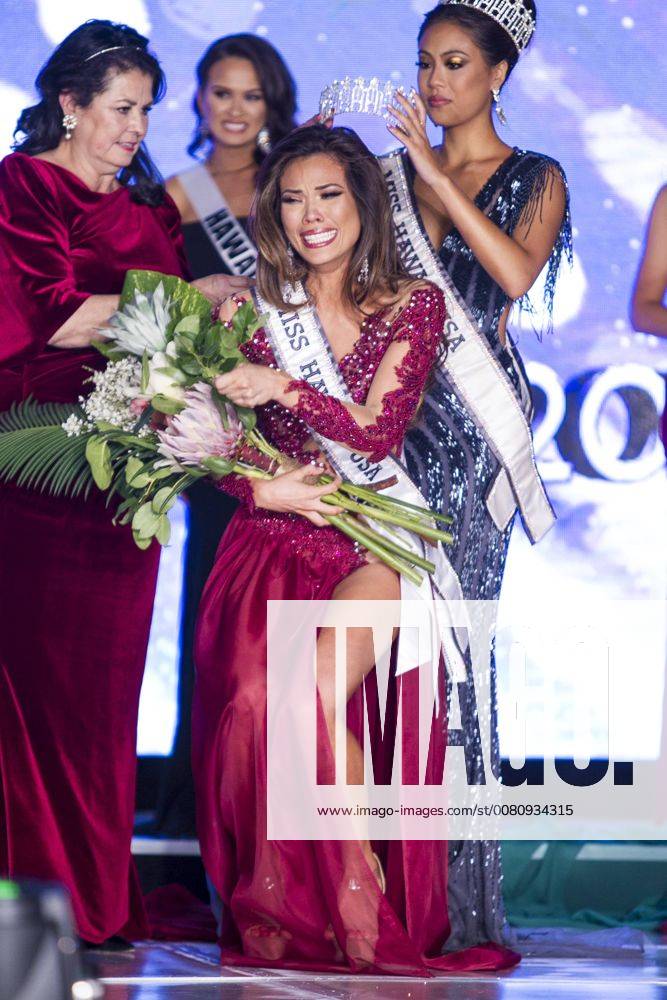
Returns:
<point x="141" y="325"/>
<point x="198" y="431"/>
<point x="161" y="383"/>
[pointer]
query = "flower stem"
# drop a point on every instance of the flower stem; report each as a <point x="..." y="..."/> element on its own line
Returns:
<point x="397" y="549"/>
<point x="351" y="528"/>
<point x="392" y="517"/>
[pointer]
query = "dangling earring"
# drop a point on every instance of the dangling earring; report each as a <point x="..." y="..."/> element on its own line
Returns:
<point x="204" y="130"/>
<point x="364" y="271"/>
<point x="264" y="140"/>
<point x="69" y="124"/>
<point x="502" y="117"/>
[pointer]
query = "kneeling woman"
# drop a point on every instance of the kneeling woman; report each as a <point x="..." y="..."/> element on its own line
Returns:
<point x="323" y="218"/>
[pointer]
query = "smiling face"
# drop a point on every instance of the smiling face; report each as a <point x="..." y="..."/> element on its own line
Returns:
<point x="455" y="80"/>
<point x="109" y="131"/>
<point x="318" y="211"/>
<point x="232" y="103"/>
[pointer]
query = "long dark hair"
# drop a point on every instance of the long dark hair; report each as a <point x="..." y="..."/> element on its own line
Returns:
<point x="492" y="39"/>
<point x="278" y="86"/>
<point x="71" y="70"/>
<point x="377" y="241"/>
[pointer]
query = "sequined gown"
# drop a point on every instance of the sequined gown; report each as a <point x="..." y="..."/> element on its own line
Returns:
<point x="312" y="904"/>
<point x="449" y="459"/>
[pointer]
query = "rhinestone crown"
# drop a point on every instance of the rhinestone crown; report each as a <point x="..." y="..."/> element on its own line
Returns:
<point x="511" y="15"/>
<point x="359" y="96"/>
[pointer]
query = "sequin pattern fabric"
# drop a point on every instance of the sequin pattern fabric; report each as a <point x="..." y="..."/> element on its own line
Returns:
<point x="420" y="324"/>
<point x="449" y="459"/>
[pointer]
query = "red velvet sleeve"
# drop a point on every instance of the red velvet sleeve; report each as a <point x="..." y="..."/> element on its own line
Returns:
<point x="38" y="289"/>
<point x="173" y="222"/>
<point x="420" y="323"/>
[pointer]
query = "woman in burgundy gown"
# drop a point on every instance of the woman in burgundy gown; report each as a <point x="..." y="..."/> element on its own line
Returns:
<point x="80" y="204"/>
<point x="318" y="904"/>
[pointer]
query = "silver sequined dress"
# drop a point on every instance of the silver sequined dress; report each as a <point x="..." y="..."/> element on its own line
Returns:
<point x="449" y="458"/>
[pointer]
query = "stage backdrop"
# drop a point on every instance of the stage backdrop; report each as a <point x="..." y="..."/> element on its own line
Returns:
<point x="590" y="93"/>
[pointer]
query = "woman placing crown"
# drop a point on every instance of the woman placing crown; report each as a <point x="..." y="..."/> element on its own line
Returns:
<point x="480" y="219"/>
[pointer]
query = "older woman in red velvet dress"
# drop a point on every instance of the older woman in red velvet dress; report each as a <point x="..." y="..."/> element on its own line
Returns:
<point x="80" y="204"/>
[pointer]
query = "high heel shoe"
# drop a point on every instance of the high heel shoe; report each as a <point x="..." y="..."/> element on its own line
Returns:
<point x="380" y="874"/>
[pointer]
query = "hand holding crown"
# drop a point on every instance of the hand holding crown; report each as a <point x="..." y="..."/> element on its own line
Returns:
<point x="410" y="129"/>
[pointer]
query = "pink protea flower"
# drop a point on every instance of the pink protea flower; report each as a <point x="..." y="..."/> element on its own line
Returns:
<point x="198" y="431"/>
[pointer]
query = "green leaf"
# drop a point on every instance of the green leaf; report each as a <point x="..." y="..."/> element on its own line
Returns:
<point x="163" y="500"/>
<point x="163" y="533"/>
<point x="99" y="459"/>
<point x="187" y="299"/>
<point x="133" y="467"/>
<point x="145" y="521"/>
<point x="145" y="372"/>
<point x="175" y="374"/>
<point x="162" y="473"/>
<point x="165" y="404"/>
<point x="140" y="541"/>
<point x="191" y="366"/>
<point x="247" y="416"/>
<point x="189" y="324"/>
<point x="219" y="466"/>
<point x="228" y="340"/>
<point x="21" y="416"/>
<point x="108" y="349"/>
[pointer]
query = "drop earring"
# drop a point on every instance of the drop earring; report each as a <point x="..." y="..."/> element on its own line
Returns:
<point x="364" y="271"/>
<point x="69" y="124"/>
<point x="264" y="140"/>
<point x="502" y="117"/>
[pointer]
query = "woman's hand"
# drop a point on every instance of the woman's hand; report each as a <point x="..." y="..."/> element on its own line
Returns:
<point x="295" y="492"/>
<point x="251" y="385"/>
<point x="411" y="131"/>
<point x="318" y="120"/>
<point x="217" y="287"/>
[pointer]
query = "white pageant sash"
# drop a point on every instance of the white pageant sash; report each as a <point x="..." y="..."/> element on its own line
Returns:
<point x="475" y="373"/>
<point x="230" y="240"/>
<point x="302" y="350"/>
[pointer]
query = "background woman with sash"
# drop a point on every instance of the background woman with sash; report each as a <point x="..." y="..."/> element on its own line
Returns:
<point x="80" y="204"/>
<point x="481" y="219"/>
<point x="244" y="104"/>
<point x="322" y="218"/>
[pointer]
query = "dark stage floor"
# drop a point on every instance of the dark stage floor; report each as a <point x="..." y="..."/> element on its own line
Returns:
<point x="190" y="972"/>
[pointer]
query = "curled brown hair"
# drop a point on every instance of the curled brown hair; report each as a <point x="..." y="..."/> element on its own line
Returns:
<point x="376" y="243"/>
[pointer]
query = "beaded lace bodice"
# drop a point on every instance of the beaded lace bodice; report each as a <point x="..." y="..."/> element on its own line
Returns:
<point x="420" y="324"/>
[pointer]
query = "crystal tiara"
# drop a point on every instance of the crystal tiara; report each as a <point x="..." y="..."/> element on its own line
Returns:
<point x="511" y="15"/>
<point x="358" y="96"/>
<point x="112" y="48"/>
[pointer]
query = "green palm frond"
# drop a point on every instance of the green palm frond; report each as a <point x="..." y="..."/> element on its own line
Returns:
<point x="36" y="453"/>
<point x="33" y="414"/>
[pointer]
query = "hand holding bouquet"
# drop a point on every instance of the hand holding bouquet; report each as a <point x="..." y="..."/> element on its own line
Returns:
<point x="154" y="423"/>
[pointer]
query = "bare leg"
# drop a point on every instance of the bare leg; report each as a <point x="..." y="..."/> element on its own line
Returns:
<point x="377" y="582"/>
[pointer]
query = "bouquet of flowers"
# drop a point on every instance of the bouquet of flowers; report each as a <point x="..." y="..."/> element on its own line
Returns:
<point x="154" y="423"/>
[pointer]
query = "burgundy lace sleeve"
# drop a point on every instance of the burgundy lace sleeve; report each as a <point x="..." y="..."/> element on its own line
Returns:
<point x="239" y="487"/>
<point x="420" y="323"/>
